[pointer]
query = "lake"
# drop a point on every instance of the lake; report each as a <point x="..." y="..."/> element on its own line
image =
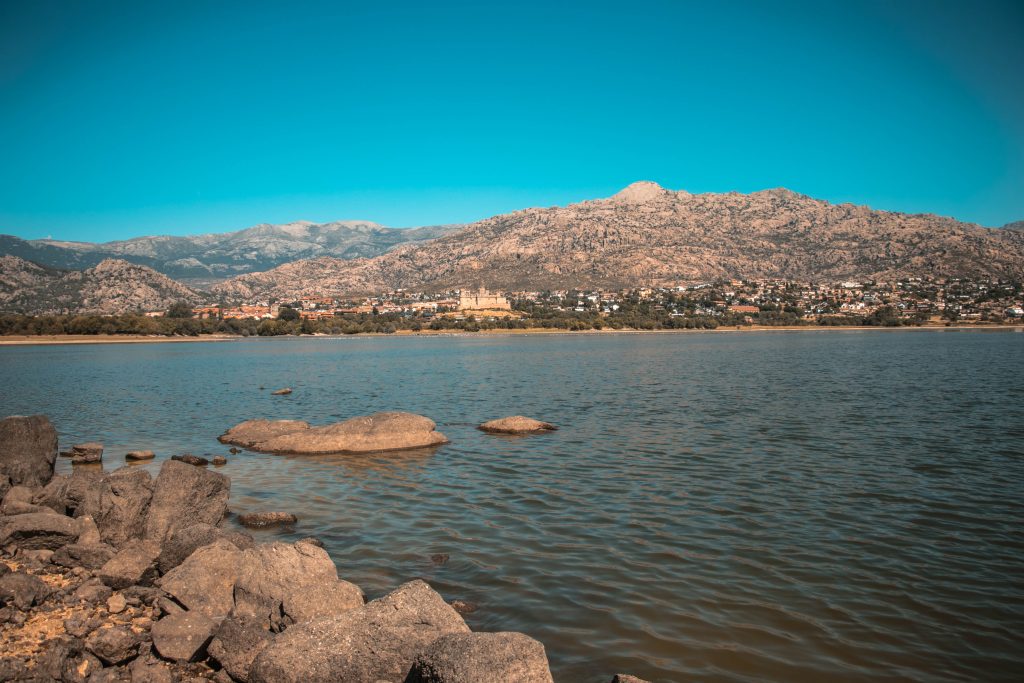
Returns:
<point x="776" y="506"/>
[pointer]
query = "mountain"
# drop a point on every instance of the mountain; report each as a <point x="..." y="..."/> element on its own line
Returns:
<point x="111" y="286"/>
<point x="1016" y="225"/>
<point x="647" y="235"/>
<point x="204" y="259"/>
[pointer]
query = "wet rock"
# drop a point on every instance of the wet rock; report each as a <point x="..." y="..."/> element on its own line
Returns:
<point x="190" y="459"/>
<point x="28" y="449"/>
<point x="90" y="556"/>
<point x="366" y="434"/>
<point x="281" y="392"/>
<point x="257" y="520"/>
<point x="53" y="494"/>
<point x="251" y="432"/>
<point x="134" y="564"/>
<point x="237" y="642"/>
<point x="517" y="424"/>
<point x="378" y="641"/>
<point x="626" y="678"/>
<point x="298" y="581"/>
<point x="183" y="637"/>
<point x="22" y="590"/>
<point x="118" y="504"/>
<point x="464" y="607"/>
<point x="116" y="603"/>
<point x="219" y="460"/>
<point x="205" y="581"/>
<point x="113" y="645"/>
<point x="93" y="591"/>
<point x="234" y="451"/>
<point x="139" y="456"/>
<point x="481" y="658"/>
<point x="184" y="495"/>
<point x="38" y="530"/>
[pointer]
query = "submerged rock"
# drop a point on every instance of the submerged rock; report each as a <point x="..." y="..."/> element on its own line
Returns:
<point x="281" y="392"/>
<point x="481" y="658"/>
<point x="517" y="424"/>
<point x="28" y="449"/>
<point x="264" y="519"/>
<point x="190" y="459"/>
<point x="184" y="495"/>
<point x="366" y="434"/>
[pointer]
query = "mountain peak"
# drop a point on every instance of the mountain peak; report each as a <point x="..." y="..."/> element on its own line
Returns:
<point x="639" y="192"/>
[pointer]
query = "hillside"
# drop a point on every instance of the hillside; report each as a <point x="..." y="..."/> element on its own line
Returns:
<point x="646" y="235"/>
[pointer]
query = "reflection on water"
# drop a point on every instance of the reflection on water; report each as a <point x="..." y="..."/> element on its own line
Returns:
<point x="780" y="506"/>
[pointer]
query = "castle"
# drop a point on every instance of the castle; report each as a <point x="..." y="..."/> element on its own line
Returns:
<point x="482" y="300"/>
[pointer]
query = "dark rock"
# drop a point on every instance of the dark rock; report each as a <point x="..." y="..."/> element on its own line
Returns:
<point x="5" y="484"/>
<point x="38" y="530"/>
<point x="113" y="645"/>
<point x="517" y="424"/>
<point x="464" y="607"/>
<point x="439" y="559"/>
<point x="151" y="670"/>
<point x="138" y="595"/>
<point x="90" y="449"/>
<point x="626" y="678"/>
<point x="378" y="641"/>
<point x="91" y="556"/>
<point x="93" y="591"/>
<point x="80" y="668"/>
<point x="12" y="669"/>
<point x="190" y="459"/>
<point x="183" y="637"/>
<point x="257" y="520"/>
<point x="119" y="504"/>
<point x="79" y="487"/>
<point x="112" y="674"/>
<point x="52" y="660"/>
<point x="184" y="495"/>
<point x="53" y="494"/>
<point x="28" y="449"/>
<point x="138" y="456"/>
<point x="219" y="460"/>
<point x="184" y="542"/>
<point x="234" y="451"/>
<point x="205" y="581"/>
<point x="481" y="658"/>
<point x="298" y="581"/>
<point x="22" y="590"/>
<point x="312" y="540"/>
<point x="78" y="625"/>
<point x="134" y="564"/>
<point x="86" y="458"/>
<point x="237" y="642"/>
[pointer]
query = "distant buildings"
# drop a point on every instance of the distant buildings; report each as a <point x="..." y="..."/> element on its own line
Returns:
<point x="482" y="300"/>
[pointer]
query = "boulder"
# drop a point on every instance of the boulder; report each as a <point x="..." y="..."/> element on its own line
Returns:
<point x="252" y="432"/>
<point x="205" y="581"/>
<point x="185" y="541"/>
<point x="183" y="637"/>
<point x="80" y="485"/>
<point x="5" y="484"/>
<point x="517" y="424"/>
<point x="366" y="434"/>
<point x="292" y="583"/>
<point x="119" y="504"/>
<point x="257" y="520"/>
<point x="92" y="591"/>
<point x="22" y="590"/>
<point x="38" y="531"/>
<point x="184" y="495"/>
<point x="88" y="556"/>
<point x="376" y="642"/>
<point x="481" y="658"/>
<point x="113" y="645"/>
<point x="139" y="456"/>
<point x="134" y="564"/>
<point x="28" y="449"/>
<point x="219" y="461"/>
<point x="151" y="670"/>
<point x="237" y="642"/>
<point x="53" y="494"/>
<point x="18" y="501"/>
<point x="190" y="459"/>
<point x="626" y="678"/>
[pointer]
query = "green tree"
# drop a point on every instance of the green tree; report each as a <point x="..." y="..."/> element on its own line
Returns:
<point x="287" y="313"/>
<point x="179" y="309"/>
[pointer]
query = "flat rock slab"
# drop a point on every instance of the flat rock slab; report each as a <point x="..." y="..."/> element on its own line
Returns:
<point x="517" y="424"/>
<point x="134" y="564"/>
<point x="481" y="658"/>
<point x="38" y="531"/>
<point x="28" y="449"/>
<point x="183" y="637"/>
<point x="389" y="431"/>
<point x="190" y="459"/>
<point x="256" y="520"/>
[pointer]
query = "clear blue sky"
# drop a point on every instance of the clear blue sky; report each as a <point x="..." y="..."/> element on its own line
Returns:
<point x="122" y="119"/>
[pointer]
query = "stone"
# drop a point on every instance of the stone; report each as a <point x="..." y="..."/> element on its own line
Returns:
<point x="88" y="555"/>
<point x="237" y="642"/>
<point x="80" y="668"/>
<point x="113" y="645"/>
<point x="376" y="642"/>
<point x="190" y="459"/>
<point x="90" y="449"/>
<point x="90" y="458"/>
<point x="18" y="501"/>
<point x="219" y="461"/>
<point x="464" y="607"/>
<point x="53" y="494"/>
<point x="119" y="504"/>
<point x="481" y="658"/>
<point x="312" y="540"/>
<point x="139" y="456"/>
<point x="52" y="660"/>
<point x="365" y="434"/>
<point x="184" y="542"/>
<point x="22" y="590"/>
<point x="184" y="495"/>
<point x="5" y="485"/>
<point x="80" y="486"/>
<point x="258" y="520"/>
<point x="93" y="591"/>
<point x="517" y="424"/>
<point x="112" y="674"/>
<point x="89" y="533"/>
<point x="281" y="392"/>
<point x="28" y="449"/>
<point x="38" y="530"/>
<point x="251" y="432"/>
<point x="116" y="603"/>
<point x="292" y="583"/>
<point x="234" y="451"/>
<point x="626" y="678"/>
<point x="183" y="637"/>
<point x="150" y="670"/>
<point x="205" y="581"/>
<point x="134" y="564"/>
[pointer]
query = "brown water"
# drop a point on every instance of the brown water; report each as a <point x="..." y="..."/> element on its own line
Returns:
<point x="834" y="506"/>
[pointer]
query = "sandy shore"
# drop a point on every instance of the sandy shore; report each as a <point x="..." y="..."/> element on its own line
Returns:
<point x="50" y="339"/>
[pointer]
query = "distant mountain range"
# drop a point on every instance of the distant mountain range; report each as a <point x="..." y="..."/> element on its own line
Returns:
<point x="644" y="235"/>
<point x="203" y="259"/>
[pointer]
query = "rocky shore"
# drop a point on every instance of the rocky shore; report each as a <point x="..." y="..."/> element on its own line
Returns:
<point x="119" y="576"/>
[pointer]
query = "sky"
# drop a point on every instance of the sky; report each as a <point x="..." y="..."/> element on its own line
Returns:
<point x="125" y="119"/>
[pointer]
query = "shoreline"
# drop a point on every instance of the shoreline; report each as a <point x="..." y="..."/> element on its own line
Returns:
<point x="74" y="339"/>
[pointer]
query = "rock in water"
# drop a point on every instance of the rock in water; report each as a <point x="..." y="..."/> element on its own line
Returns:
<point x="190" y="459"/>
<point x="367" y="434"/>
<point x="137" y="456"/>
<point x="626" y="678"/>
<point x="183" y="637"/>
<point x="481" y="658"/>
<point x="263" y="519"/>
<point x="28" y="449"/>
<point x="376" y="642"/>
<point x="219" y="460"/>
<point x="517" y="424"/>
<point x="281" y="392"/>
<point x="184" y="495"/>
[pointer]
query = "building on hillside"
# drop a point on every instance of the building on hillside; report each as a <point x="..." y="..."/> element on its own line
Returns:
<point x="482" y="300"/>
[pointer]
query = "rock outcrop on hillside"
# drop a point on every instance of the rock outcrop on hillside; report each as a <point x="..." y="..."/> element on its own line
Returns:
<point x="647" y="235"/>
